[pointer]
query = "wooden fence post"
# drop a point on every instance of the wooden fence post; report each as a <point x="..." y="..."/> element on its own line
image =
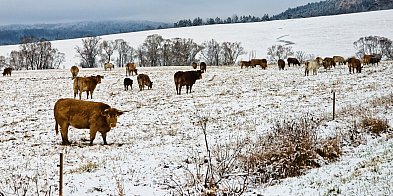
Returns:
<point x="61" y="175"/>
<point x="334" y="104"/>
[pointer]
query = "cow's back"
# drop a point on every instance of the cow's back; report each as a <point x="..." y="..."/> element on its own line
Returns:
<point x="78" y="113"/>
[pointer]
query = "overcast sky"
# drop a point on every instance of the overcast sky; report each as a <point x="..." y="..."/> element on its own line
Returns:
<point x="53" y="11"/>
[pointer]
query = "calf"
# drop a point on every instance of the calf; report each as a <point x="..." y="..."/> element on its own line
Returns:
<point x="87" y="84"/>
<point x="96" y="116"/>
<point x="187" y="78"/>
<point x="108" y="66"/>
<point x="7" y="71"/>
<point x="245" y="64"/>
<point x="202" y="67"/>
<point x="281" y="64"/>
<point x="144" y="80"/>
<point x="131" y="69"/>
<point x="127" y="82"/>
<point x="74" y="71"/>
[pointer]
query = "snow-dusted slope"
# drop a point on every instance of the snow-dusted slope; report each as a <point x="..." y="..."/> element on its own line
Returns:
<point x="148" y="148"/>
<point x="322" y="36"/>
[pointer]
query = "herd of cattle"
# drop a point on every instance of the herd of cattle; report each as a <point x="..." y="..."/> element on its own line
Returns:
<point x="354" y="64"/>
<point x="100" y="117"/>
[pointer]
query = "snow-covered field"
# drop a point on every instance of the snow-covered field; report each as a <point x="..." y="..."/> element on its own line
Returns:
<point x="151" y="142"/>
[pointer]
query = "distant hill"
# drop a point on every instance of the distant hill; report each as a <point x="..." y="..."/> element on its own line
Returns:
<point x="12" y="34"/>
<point x="334" y="7"/>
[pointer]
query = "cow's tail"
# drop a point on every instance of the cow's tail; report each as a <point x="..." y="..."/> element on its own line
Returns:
<point x="56" y="127"/>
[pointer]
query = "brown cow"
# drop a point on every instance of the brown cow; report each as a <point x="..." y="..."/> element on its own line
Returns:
<point x="339" y="60"/>
<point x="354" y="63"/>
<point x="328" y="63"/>
<point x="127" y="82"/>
<point x="96" y="116"/>
<point x="373" y="59"/>
<point x="260" y="62"/>
<point x="131" y="69"/>
<point x="281" y="64"/>
<point x="187" y="78"/>
<point x="245" y="64"/>
<point x="144" y="80"/>
<point x="109" y="66"/>
<point x="194" y="65"/>
<point x="293" y="61"/>
<point x="87" y="84"/>
<point x="74" y="71"/>
<point x="7" y="71"/>
<point x="202" y="67"/>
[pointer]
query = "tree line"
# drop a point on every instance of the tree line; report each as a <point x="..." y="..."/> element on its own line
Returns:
<point x="33" y="54"/>
<point x="36" y="54"/>
<point x="209" y="21"/>
<point x="157" y="51"/>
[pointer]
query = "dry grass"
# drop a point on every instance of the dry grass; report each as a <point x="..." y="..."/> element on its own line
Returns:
<point x="374" y="125"/>
<point x="288" y="151"/>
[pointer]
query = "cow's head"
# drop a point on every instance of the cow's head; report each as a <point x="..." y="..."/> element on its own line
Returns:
<point x="150" y="85"/>
<point x="111" y="115"/>
<point x="98" y="78"/>
<point x="199" y="74"/>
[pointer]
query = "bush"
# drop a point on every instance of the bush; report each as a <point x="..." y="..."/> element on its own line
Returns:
<point x="286" y="152"/>
<point x="374" y="125"/>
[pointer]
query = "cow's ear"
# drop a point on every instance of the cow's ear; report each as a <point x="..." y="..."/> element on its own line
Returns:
<point x="119" y="113"/>
<point x="105" y="112"/>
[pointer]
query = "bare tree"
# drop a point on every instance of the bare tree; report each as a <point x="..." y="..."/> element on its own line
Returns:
<point x="276" y="52"/>
<point x="141" y="55"/>
<point x="184" y="51"/>
<point x="374" y="45"/>
<point x="211" y="52"/>
<point x="108" y="47"/>
<point x="125" y="52"/>
<point x="152" y="46"/>
<point x="230" y="52"/>
<point x="89" y="51"/>
<point x="165" y="53"/>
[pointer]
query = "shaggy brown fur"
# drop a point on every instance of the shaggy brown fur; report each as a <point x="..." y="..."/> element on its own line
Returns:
<point x="96" y="116"/>
<point x="131" y="69"/>
<point x="354" y="63"/>
<point x="108" y="66"/>
<point x="87" y="84"/>
<point x="74" y="71"/>
<point x="144" y="80"/>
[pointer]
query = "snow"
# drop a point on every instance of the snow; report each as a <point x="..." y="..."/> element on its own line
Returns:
<point x="148" y="147"/>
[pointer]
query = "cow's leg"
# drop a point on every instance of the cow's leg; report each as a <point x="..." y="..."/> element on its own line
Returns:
<point x="80" y="94"/>
<point x="64" y="133"/>
<point x="91" y="94"/>
<point x="93" y="133"/>
<point x="190" y="88"/>
<point x="103" y="134"/>
<point x="87" y="94"/>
